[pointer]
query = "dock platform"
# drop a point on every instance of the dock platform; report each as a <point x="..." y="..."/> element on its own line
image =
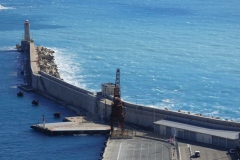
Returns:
<point x="69" y="128"/>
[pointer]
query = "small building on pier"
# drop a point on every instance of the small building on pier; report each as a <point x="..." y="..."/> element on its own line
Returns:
<point x="198" y="133"/>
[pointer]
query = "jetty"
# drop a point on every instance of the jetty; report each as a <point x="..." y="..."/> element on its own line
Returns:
<point x="70" y="128"/>
<point x="73" y="125"/>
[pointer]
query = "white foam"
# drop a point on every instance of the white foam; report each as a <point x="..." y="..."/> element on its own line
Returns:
<point x="7" y="48"/>
<point x="215" y="112"/>
<point x="2" y="7"/>
<point x="14" y="86"/>
<point x="67" y="69"/>
<point x="167" y="101"/>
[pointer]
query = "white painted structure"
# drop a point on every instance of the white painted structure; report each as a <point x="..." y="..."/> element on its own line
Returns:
<point x="27" y="31"/>
<point x="108" y="89"/>
<point x="26" y="37"/>
<point x="202" y="134"/>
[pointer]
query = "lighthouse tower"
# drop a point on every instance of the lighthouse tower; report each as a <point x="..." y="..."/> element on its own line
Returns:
<point x="26" y="38"/>
<point x="26" y="31"/>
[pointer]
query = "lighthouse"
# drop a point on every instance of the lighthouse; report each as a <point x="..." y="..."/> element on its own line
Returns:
<point x="28" y="49"/>
<point x="26" y="40"/>
<point x="26" y="31"/>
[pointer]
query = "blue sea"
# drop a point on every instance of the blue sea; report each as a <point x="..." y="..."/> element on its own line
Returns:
<point x="181" y="54"/>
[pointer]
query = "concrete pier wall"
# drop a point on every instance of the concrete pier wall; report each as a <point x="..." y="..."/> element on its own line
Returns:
<point x="97" y="104"/>
<point x="27" y="66"/>
<point x="134" y="114"/>
<point x="145" y="116"/>
<point x="63" y="91"/>
<point x="55" y="87"/>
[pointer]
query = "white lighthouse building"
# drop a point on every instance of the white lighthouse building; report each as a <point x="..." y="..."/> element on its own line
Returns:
<point x="26" y="30"/>
<point x="26" y="37"/>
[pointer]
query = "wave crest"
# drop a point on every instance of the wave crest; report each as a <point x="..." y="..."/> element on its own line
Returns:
<point x="67" y="68"/>
<point x="2" y="7"/>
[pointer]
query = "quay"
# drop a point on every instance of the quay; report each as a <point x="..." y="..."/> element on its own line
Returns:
<point x="70" y="128"/>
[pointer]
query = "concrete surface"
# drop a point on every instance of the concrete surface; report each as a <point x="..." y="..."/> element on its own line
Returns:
<point x="207" y="152"/>
<point x="62" y="128"/>
<point x="137" y="149"/>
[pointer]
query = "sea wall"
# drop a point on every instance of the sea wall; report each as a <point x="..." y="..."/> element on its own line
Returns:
<point x="145" y="116"/>
<point x="63" y="91"/>
<point x="45" y="79"/>
<point x="99" y="105"/>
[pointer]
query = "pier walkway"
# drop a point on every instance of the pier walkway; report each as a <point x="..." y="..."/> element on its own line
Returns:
<point x="66" y="128"/>
<point x="138" y="148"/>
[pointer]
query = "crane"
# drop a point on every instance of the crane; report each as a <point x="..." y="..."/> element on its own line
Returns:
<point x="117" y="114"/>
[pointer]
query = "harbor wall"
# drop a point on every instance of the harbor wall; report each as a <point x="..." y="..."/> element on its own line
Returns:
<point x="100" y="105"/>
<point x="145" y="116"/>
<point x="63" y="91"/>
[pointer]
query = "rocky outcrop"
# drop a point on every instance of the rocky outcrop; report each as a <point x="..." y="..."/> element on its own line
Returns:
<point x="46" y="61"/>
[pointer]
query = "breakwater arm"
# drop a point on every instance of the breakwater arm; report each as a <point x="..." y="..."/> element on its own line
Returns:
<point x="135" y="114"/>
<point x="46" y="79"/>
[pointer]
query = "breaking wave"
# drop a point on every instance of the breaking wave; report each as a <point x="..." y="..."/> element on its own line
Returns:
<point x="2" y="7"/>
<point x="67" y="68"/>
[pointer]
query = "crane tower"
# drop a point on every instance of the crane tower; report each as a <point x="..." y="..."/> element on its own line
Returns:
<point x="117" y="114"/>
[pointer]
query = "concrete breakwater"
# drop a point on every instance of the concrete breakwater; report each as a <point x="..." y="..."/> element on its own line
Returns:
<point x="41" y="74"/>
<point x="99" y="104"/>
<point x="46" y="79"/>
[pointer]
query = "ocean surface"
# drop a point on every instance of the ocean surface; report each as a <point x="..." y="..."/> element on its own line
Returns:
<point x="181" y="54"/>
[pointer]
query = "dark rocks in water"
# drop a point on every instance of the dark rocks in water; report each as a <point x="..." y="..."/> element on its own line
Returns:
<point x="20" y="94"/>
<point x="57" y="114"/>
<point x="35" y="102"/>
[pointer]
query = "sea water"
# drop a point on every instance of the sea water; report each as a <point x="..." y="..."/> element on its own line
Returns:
<point x="182" y="54"/>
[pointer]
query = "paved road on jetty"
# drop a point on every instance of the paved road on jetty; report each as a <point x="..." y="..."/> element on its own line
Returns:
<point x="137" y="149"/>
